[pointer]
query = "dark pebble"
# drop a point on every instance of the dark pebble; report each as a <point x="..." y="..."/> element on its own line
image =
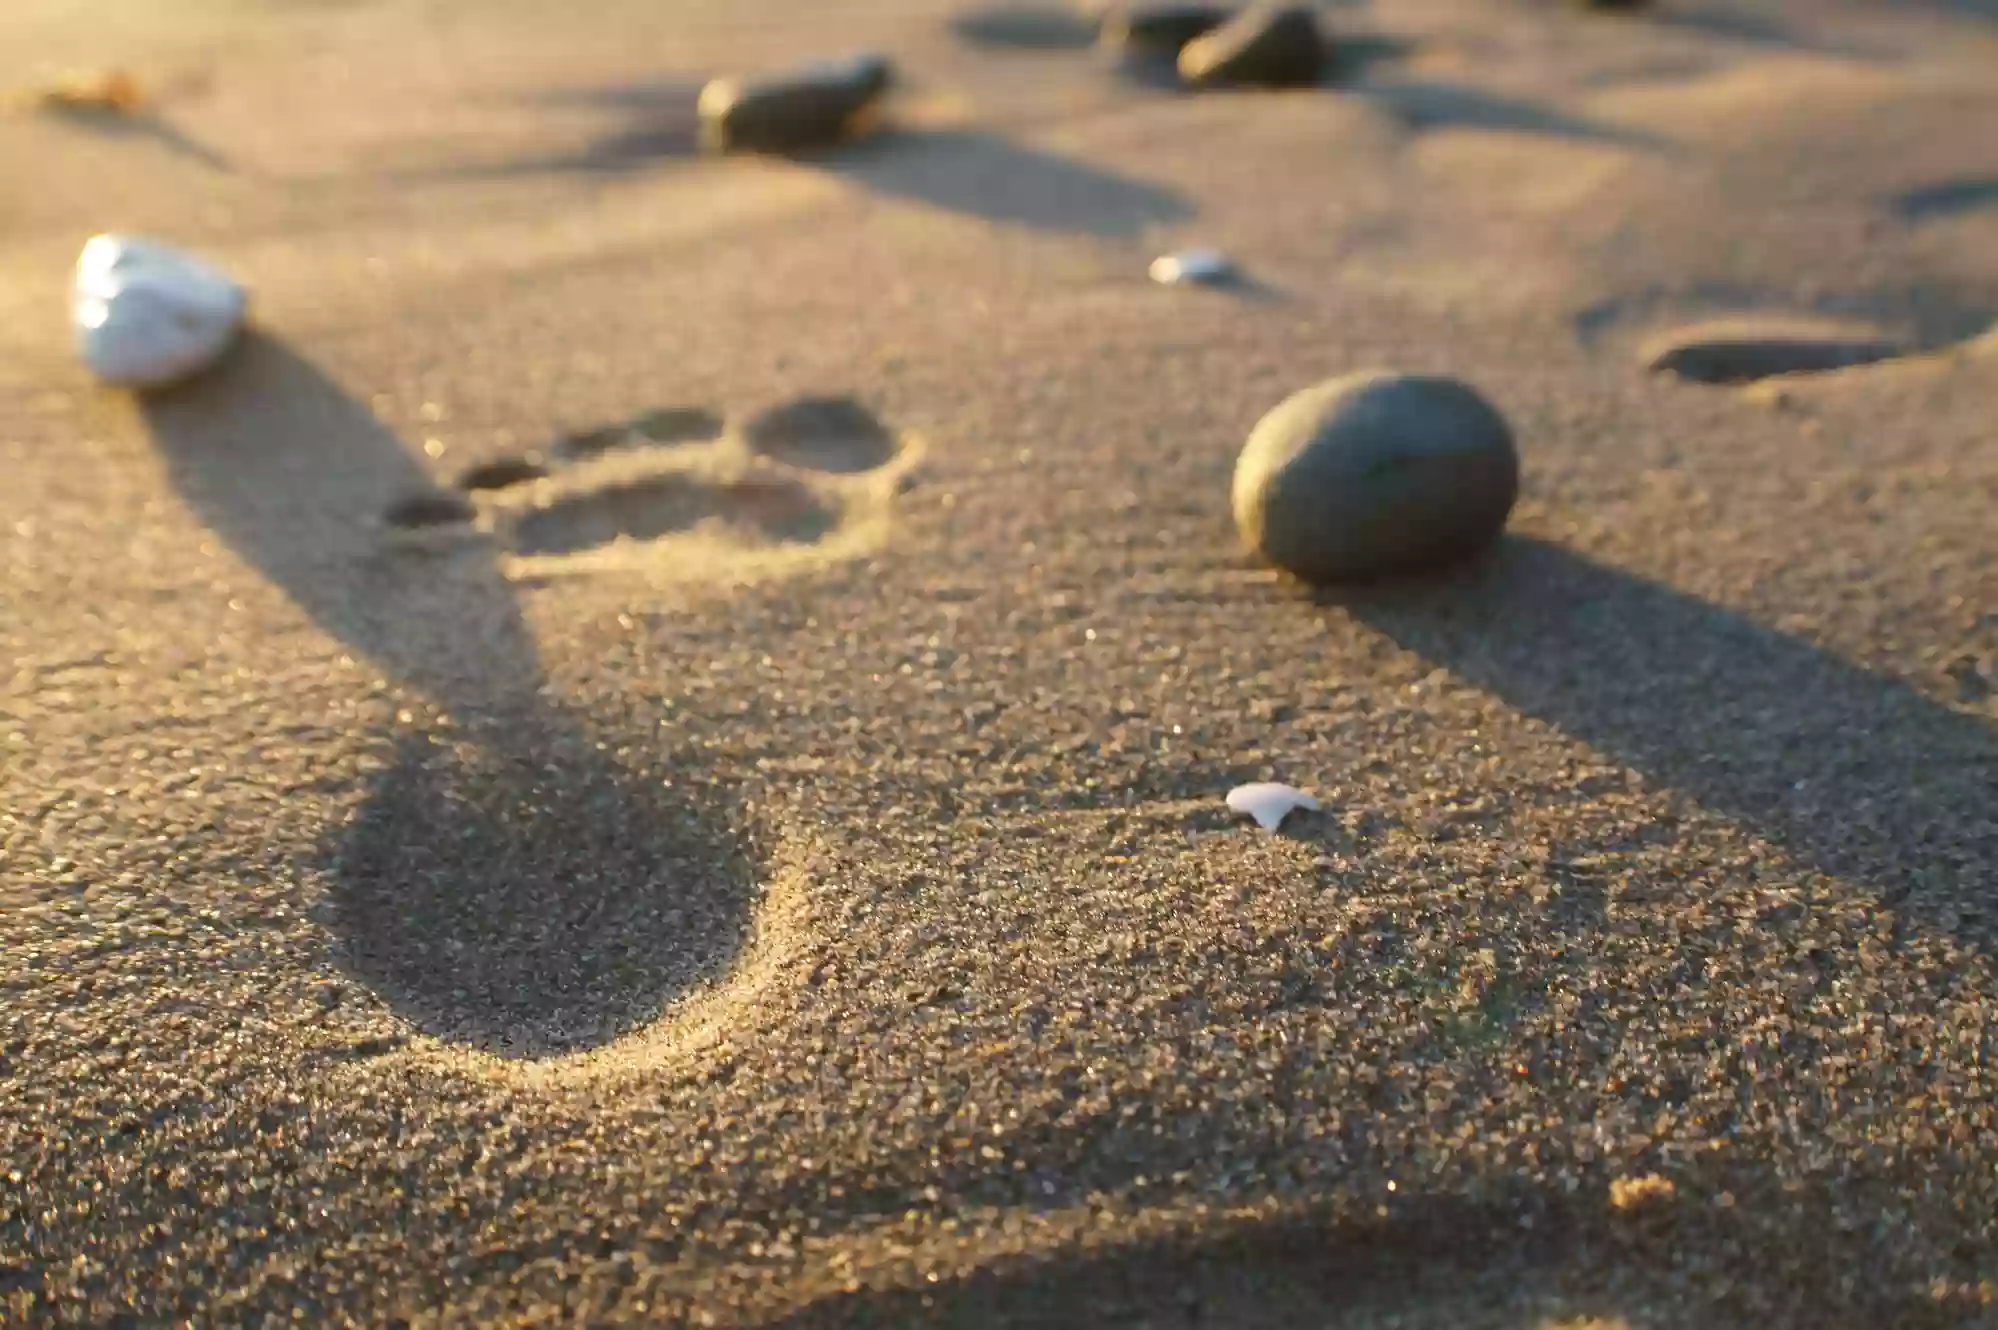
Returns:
<point x="1272" y="45"/>
<point x="500" y="473"/>
<point x="1374" y="474"/>
<point x="808" y="107"/>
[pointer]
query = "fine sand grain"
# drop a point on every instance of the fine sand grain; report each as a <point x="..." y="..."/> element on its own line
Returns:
<point x="770" y="867"/>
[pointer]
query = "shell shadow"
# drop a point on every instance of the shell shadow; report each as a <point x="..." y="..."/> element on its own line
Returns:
<point x="147" y="126"/>
<point x="505" y="881"/>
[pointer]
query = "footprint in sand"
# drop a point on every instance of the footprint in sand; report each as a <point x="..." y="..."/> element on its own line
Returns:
<point x="678" y="494"/>
<point x="1745" y="338"/>
<point x="1737" y="351"/>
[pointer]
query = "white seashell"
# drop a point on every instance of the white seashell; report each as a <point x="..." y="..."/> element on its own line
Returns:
<point x="1269" y="803"/>
<point x="147" y="314"/>
<point x="1191" y="265"/>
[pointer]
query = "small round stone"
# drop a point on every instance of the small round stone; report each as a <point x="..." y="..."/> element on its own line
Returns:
<point x="811" y="106"/>
<point x="1375" y="473"/>
<point x="1159" y="29"/>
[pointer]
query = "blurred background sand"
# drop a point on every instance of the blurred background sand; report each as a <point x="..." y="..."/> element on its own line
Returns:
<point x="831" y="917"/>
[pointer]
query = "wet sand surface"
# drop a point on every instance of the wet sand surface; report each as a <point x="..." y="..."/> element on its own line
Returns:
<point x="772" y="868"/>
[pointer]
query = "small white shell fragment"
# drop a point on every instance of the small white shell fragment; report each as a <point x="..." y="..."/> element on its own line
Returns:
<point x="1269" y="802"/>
<point x="1191" y="265"/>
<point x="147" y="314"/>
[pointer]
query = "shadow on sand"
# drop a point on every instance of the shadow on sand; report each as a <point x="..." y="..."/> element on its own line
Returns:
<point x="140" y="125"/>
<point x="1843" y="767"/>
<point x="1518" y="1259"/>
<point x="1434" y="105"/>
<point x="506" y="882"/>
<point x="1748" y="28"/>
<point x="650" y="122"/>
<point x="1948" y="198"/>
<point x="1027" y="27"/>
<point x="980" y="174"/>
<point x="967" y="171"/>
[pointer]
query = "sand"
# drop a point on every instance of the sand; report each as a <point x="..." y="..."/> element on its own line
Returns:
<point x="819" y="906"/>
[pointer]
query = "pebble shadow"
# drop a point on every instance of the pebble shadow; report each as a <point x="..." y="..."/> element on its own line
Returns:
<point x="979" y="174"/>
<point x="1434" y="105"/>
<point x="1356" y="54"/>
<point x="1748" y="29"/>
<point x="1979" y="9"/>
<point x="1948" y="198"/>
<point x="1842" y="766"/>
<point x="1026" y="28"/>
<point x="652" y="122"/>
<point x="504" y="882"/>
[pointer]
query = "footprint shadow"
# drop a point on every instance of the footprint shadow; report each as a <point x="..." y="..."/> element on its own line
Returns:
<point x="505" y="881"/>
<point x="665" y="505"/>
<point x="1861" y="776"/>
